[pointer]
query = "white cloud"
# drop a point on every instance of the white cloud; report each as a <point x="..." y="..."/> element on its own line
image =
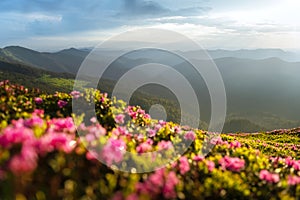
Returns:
<point x="42" y="17"/>
<point x="30" y="17"/>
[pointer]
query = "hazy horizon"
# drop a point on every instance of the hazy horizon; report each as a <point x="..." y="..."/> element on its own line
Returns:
<point x="45" y="49"/>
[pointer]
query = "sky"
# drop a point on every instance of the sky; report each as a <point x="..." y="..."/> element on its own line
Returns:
<point x="51" y="25"/>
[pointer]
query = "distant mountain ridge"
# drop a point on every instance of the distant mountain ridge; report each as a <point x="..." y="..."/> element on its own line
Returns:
<point x="69" y="60"/>
<point x="254" y="54"/>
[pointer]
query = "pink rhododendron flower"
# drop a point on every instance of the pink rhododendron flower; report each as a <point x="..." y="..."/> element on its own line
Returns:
<point x="140" y="137"/>
<point x="113" y="151"/>
<point x="121" y="130"/>
<point x="169" y="188"/>
<point x="177" y="129"/>
<point x="164" y="145"/>
<point x="120" y="119"/>
<point x="16" y="134"/>
<point x="147" y="116"/>
<point x="91" y="155"/>
<point x="93" y="120"/>
<point x="38" y="100"/>
<point x="61" y="103"/>
<point x="55" y="141"/>
<point x="293" y="163"/>
<point x="95" y="132"/>
<point x="289" y="161"/>
<point x="132" y="197"/>
<point x="131" y="113"/>
<point x="75" y="94"/>
<point x="157" y="178"/>
<point x="34" y="121"/>
<point x="62" y="124"/>
<point x="296" y="165"/>
<point x="157" y="127"/>
<point x="198" y="158"/>
<point x="38" y="112"/>
<point x="149" y="141"/>
<point x="276" y="160"/>
<point x="293" y="180"/>
<point x="162" y="123"/>
<point x="235" y="144"/>
<point x="210" y="165"/>
<point x="190" y="135"/>
<point x="159" y="182"/>
<point x="144" y="147"/>
<point x="184" y="165"/>
<point x="151" y="133"/>
<point x="90" y="137"/>
<point x="233" y="164"/>
<point x="24" y="162"/>
<point x="269" y="177"/>
<point x="217" y="140"/>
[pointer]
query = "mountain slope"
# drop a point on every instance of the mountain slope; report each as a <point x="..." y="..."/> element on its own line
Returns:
<point x="36" y="78"/>
<point x="31" y="58"/>
<point x="67" y="60"/>
<point x="71" y="58"/>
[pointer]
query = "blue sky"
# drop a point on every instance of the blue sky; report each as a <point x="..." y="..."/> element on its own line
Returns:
<point x="230" y="24"/>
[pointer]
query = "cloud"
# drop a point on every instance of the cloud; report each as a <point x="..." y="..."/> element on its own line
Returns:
<point x="140" y="7"/>
<point x="63" y="17"/>
<point x="224" y="21"/>
<point x="152" y="9"/>
<point x="192" y="11"/>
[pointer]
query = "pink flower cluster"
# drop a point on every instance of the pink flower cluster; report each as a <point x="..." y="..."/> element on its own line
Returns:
<point x="218" y="140"/>
<point x="119" y="119"/>
<point x="75" y="94"/>
<point x="160" y="182"/>
<point x="16" y="134"/>
<point x="35" y="120"/>
<point x="293" y="163"/>
<point x="121" y="130"/>
<point x="275" y="160"/>
<point x="25" y="161"/>
<point x="113" y="151"/>
<point x="56" y="141"/>
<point x="165" y="145"/>
<point x="184" y="165"/>
<point x="145" y="146"/>
<point x="139" y="112"/>
<point x="235" y="144"/>
<point x="19" y="133"/>
<point x="38" y="100"/>
<point x="151" y="132"/>
<point x="198" y="158"/>
<point x="233" y="164"/>
<point x="190" y="135"/>
<point x="268" y="176"/>
<point x="210" y="165"/>
<point x="61" y="103"/>
<point x="293" y="180"/>
<point x="62" y="124"/>
<point x="104" y="97"/>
